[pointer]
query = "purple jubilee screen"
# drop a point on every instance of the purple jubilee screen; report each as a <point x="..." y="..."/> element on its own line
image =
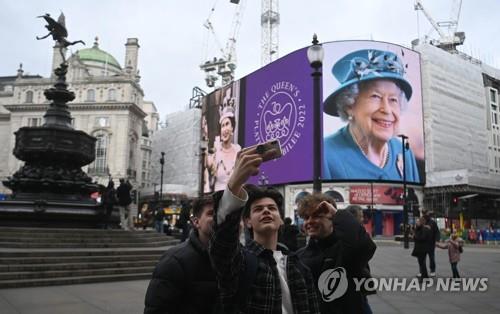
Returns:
<point x="371" y="94"/>
<point x="278" y="105"/>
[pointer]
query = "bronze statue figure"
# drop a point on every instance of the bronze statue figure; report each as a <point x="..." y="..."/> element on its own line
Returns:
<point x="58" y="32"/>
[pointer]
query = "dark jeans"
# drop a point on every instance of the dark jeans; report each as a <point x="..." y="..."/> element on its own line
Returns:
<point x="159" y="226"/>
<point x="432" y="260"/>
<point x="422" y="266"/>
<point x="454" y="270"/>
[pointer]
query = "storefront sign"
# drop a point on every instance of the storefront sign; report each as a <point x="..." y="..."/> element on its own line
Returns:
<point x="386" y="195"/>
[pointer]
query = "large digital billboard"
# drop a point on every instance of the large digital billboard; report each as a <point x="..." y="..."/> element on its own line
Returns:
<point x="219" y="123"/>
<point x="278" y="105"/>
<point x="371" y="94"/>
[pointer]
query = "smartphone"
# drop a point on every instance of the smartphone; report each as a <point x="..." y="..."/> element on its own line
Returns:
<point x="267" y="146"/>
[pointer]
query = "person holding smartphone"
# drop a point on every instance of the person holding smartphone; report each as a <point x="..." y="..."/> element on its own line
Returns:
<point x="279" y="282"/>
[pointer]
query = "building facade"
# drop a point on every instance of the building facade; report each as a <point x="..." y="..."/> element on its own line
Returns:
<point x="109" y="105"/>
<point x="180" y="141"/>
<point x="461" y="113"/>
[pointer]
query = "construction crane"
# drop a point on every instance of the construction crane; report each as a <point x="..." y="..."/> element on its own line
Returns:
<point x="224" y="66"/>
<point x="269" y="21"/>
<point x="450" y="39"/>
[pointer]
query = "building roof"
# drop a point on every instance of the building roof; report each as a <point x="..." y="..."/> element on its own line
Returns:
<point x="97" y="55"/>
<point x="12" y="79"/>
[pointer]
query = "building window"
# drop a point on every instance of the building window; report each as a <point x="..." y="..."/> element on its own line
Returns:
<point x="34" y="122"/>
<point x="90" y="95"/>
<point x="101" y="151"/>
<point x="102" y="122"/>
<point x="493" y="95"/>
<point x="112" y="94"/>
<point x="131" y="156"/>
<point x="29" y="97"/>
<point x="144" y="159"/>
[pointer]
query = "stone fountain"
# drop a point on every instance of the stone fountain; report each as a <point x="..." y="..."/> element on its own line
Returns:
<point x="51" y="189"/>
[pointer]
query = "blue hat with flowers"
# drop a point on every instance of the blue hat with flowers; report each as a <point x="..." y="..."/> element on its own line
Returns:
<point x="365" y="65"/>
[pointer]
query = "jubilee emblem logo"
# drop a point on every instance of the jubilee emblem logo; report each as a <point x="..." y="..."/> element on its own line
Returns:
<point x="332" y="283"/>
<point x="281" y="116"/>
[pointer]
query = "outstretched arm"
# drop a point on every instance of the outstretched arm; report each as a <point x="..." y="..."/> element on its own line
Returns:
<point x="358" y="244"/>
<point x="225" y="249"/>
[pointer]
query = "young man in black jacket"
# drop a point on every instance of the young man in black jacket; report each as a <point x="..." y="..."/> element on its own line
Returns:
<point x="338" y="244"/>
<point x="435" y="236"/>
<point x="183" y="280"/>
<point x="280" y="283"/>
<point x="422" y="238"/>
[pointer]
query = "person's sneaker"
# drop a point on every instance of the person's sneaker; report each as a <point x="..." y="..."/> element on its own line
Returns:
<point x="432" y="274"/>
<point x="419" y="275"/>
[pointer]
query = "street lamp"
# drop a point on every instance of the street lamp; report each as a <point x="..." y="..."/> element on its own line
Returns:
<point x="202" y="168"/>
<point x="162" y="162"/>
<point x="405" y="146"/>
<point x="315" y="55"/>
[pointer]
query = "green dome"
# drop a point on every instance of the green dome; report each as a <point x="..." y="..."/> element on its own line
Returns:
<point x="98" y="55"/>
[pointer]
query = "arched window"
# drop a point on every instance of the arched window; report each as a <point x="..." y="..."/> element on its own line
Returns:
<point x="29" y="97"/>
<point x="300" y="196"/>
<point x="112" y="94"/>
<point x="90" y="95"/>
<point x="101" y="152"/>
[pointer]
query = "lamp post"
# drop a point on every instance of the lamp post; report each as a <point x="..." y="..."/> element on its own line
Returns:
<point x="315" y="55"/>
<point x="371" y="212"/>
<point x="162" y="162"/>
<point x="405" y="146"/>
<point x="202" y="168"/>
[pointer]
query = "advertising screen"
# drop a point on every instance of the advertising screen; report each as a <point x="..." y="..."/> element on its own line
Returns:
<point x="371" y="95"/>
<point x="278" y="105"/>
<point x="219" y="123"/>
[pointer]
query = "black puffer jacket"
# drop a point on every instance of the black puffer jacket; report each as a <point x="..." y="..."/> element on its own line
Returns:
<point x="183" y="281"/>
<point x="350" y="247"/>
<point x="424" y="242"/>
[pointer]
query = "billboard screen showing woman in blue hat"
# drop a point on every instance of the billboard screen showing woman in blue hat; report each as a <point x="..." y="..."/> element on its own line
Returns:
<point x="370" y="98"/>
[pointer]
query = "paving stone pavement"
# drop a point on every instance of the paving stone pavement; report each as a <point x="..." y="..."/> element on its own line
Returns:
<point x="475" y="262"/>
<point x="390" y="260"/>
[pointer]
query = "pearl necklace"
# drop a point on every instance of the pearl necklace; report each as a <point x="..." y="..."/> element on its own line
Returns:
<point x="221" y="162"/>
<point x="228" y="172"/>
<point x="384" y="161"/>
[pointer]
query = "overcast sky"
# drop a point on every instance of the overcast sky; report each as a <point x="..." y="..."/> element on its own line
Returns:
<point x="172" y="36"/>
